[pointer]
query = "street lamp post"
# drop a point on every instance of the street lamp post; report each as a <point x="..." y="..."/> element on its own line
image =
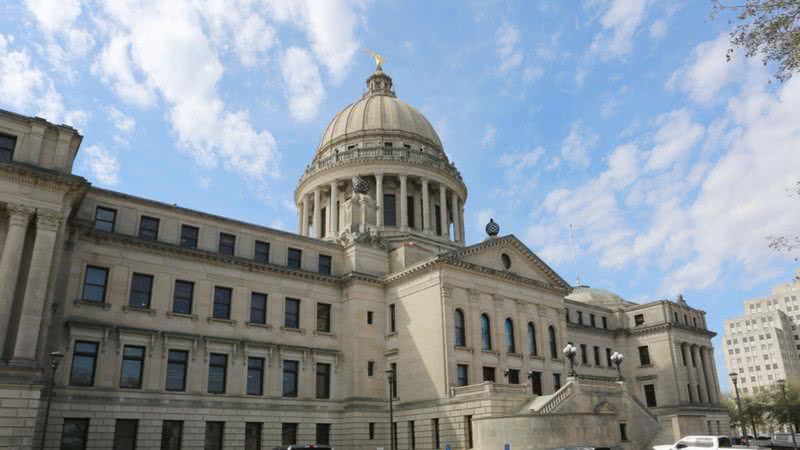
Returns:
<point x="569" y="352"/>
<point x="735" y="381"/>
<point x="617" y="358"/>
<point x="390" y="376"/>
<point x="782" y="385"/>
<point x="55" y="359"/>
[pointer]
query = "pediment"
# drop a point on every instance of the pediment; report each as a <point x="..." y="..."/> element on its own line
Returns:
<point x="509" y="255"/>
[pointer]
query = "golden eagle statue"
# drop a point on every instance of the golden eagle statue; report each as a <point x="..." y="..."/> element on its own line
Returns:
<point x="378" y="59"/>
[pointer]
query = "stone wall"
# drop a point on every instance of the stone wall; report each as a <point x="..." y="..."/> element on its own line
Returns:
<point x="19" y="413"/>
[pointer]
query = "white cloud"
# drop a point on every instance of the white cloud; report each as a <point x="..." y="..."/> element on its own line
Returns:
<point x="619" y="23"/>
<point x="63" y="41"/>
<point x="516" y="163"/>
<point x="121" y="122"/>
<point x="676" y="136"/>
<point x="54" y="15"/>
<point x="488" y="138"/>
<point x="658" y="29"/>
<point x="103" y="166"/>
<point x="115" y="67"/>
<point x="575" y="147"/>
<point x="580" y="77"/>
<point x="510" y="55"/>
<point x="238" y="22"/>
<point x="608" y="108"/>
<point x="303" y="83"/>
<point x="532" y="73"/>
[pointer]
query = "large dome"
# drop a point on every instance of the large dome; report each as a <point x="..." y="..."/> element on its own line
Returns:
<point x="379" y="114"/>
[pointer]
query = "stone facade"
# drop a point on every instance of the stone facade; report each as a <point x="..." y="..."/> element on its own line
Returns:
<point x="167" y="315"/>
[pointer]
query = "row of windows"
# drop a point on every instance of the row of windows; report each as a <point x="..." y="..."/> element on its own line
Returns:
<point x="489" y="374"/>
<point x="592" y="320"/>
<point x="75" y="434"/>
<point x="95" y="286"/>
<point x="638" y="319"/>
<point x="511" y="343"/>
<point x="105" y="220"/>
<point x="84" y="365"/>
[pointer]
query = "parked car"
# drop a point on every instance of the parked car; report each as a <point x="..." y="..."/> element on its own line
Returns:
<point x="698" y="443"/>
<point x="763" y="441"/>
<point x="784" y="439"/>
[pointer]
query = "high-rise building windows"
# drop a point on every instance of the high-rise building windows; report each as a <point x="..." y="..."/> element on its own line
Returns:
<point x="650" y="395"/>
<point x="644" y="355"/>
<point x="392" y="319"/>
<point x="460" y="328"/>
<point x="486" y="333"/>
<point x="389" y="210"/>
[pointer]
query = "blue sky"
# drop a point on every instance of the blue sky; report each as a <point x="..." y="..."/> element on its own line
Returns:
<point x="620" y="118"/>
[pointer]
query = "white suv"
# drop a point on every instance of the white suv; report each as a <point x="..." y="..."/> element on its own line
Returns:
<point x="698" y="443"/>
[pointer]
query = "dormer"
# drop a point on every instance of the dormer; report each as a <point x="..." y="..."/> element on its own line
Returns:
<point x="35" y="141"/>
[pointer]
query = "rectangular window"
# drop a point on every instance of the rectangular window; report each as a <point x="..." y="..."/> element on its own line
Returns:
<point x="608" y="358"/>
<point x="389" y="211"/>
<point x="435" y="428"/>
<point x="370" y="368"/>
<point x="323" y="380"/>
<point x="74" y="434"/>
<point x="255" y="376"/>
<point x="392" y="322"/>
<point x="258" y="308"/>
<point x="323" y="433"/>
<point x="148" y="228"/>
<point x="227" y="244"/>
<point x="325" y="264"/>
<point x="132" y="367"/>
<point x="322" y="223"/>
<point x="393" y="367"/>
<point x="596" y="356"/>
<point x="7" y="144"/>
<point x="324" y="317"/>
<point x="171" y="434"/>
<point x="623" y="432"/>
<point x="291" y="317"/>
<point x="84" y="361"/>
<point x="644" y="355"/>
<point x="691" y="396"/>
<point x="513" y="376"/>
<point x="584" y="355"/>
<point x="189" y="236"/>
<point x="592" y="320"/>
<point x="125" y="434"/>
<point x="177" y="362"/>
<point x="252" y="435"/>
<point x="104" y="219"/>
<point x="295" y="258"/>
<point x="638" y="319"/>
<point x="536" y="382"/>
<point x="412" y="439"/>
<point x="94" y="285"/>
<point x="217" y="373"/>
<point x="183" y="297"/>
<point x="288" y="433"/>
<point x="650" y="395"/>
<point x="605" y="323"/>
<point x="141" y="290"/>
<point x="261" y="252"/>
<point x="580" y="317"/>
<point x="369" y="317"/>
<point x="222" y="302"/>
<point x="215" y="435"/>
<point x="488" y="374"/>
<point x="468" y="431"/>
<point x="556" y="381"/>
<point x="290" y="378"/>
<point x="371" y="431"/>
<point x="410" y="211"/>
<point x="462" y="375"/>
<point x="437" y="212"/>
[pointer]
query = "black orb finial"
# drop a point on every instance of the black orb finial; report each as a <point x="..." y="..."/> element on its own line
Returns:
<point x="492" y="228"/>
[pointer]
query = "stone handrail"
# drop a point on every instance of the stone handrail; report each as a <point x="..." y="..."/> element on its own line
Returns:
<point x="382" y="154"/>
<point x="557" y="399"/>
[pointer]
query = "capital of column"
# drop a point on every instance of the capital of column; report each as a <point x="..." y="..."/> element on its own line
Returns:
<point x="19" y="214"/>
<point x="48" y="220"/>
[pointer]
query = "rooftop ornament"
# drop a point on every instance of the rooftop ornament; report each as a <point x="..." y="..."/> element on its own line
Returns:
<point x="492" y="228"/>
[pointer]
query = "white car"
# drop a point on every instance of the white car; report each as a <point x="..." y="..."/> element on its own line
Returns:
<point x="698" y="443"/>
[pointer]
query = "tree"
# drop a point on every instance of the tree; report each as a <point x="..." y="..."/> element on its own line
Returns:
<point x="754" y="409"/>
<point x="769" y="28"/>
<point x="777" y="408"/>
<point x="788" y="244"/>
<point x="729" y="402"/>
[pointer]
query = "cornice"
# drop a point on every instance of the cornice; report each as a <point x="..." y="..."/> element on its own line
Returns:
<point x="665" y="327"/>
<point x="40" y="177"/>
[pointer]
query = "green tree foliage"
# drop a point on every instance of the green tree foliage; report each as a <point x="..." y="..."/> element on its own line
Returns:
<point x="777" y="408"/>
<point x="767" y="28"/>
<point x="766" y="408"/>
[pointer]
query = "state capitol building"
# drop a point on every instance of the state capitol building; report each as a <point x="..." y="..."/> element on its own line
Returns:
<point x="185" y="330"/>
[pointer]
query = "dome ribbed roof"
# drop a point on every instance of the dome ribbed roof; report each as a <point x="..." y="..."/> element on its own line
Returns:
<point x="378" y="113"/>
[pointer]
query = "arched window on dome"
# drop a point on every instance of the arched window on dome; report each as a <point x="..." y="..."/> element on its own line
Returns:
<point x="461" y="332"/>
<point x="532" y="339"/>
<point x="551" y="331"/>
<point x="511" y="344"/>
<point x="486" y="333"/>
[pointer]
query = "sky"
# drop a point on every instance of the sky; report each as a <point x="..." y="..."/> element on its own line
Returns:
<point x="620" y="120"/>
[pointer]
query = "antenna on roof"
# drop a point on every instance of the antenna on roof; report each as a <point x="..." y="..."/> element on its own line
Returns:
<point x="574" y="258"/>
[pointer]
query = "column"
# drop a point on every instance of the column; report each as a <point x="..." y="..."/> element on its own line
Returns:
<point x="403" y="202"/>
<point x="426" y="207"/>
<point x="299" y="219"/>
<point x="333" y="226"/>
<point x="702" y="375"/>
<point x="30" y="321"/>
<point x="317" y="221"/>
<point x="443" y="211"/>
<point x="18" y="218"/>
<point x="305" y="215"/>
<point x="456" y="222"/>
<point x="379" y="199"/>
<point x="709" y="376"/>
<point x="680" y="372"/>
<point x="461" y="222"/>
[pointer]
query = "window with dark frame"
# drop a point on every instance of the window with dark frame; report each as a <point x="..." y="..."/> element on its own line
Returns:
<point x="255" y="376"/>
<point x="605" y="323"/>
<point x="609" y="363"/>
<point x="437" y="212"/>
<point x="536" y="382"/>
<point x="323" y="222"/>
<point x="580" y="317"/>
<point x="258" y="308"/>
<point x="84" y="363"/>
<point x="324" y="317"/>
<point x="511" y="342"/>
<point x="171" y="434"/>
<point x="532" y="347"/>
<point x="489" y="374"/>
<point x="638" y="319"/>
<point x="227" y="244"/>
<point x="252" y="435"/>
<point x="148" y="228"/>
<point x="551" y="331"/>
<point x="125" y="434"/>
<point x="486" y="333"/>
<point x="650" y="395"/>
<point x="644" y="355"/>
<point x="295" y="257"/>
<point x="584" y="356"/>
<point x="74" y="434"/>
<point x="94" y="284"/>
<point x="217" y="373"/>
<point x="389" y="210"/>
<point x="141" y="291"/>
<point x="323" y="433"/>
<point x="177" y="364"/>
<point x="261" y="254"/>
<point x="468" y="431"/>
<point x="325" y="264"/>
<point x="132" y="367"/>
<point x="370" y="368"/>
<point x="412" y="439"/>
<point x="392" y="319"/>
<point x="410" y="211"/>
<point x="592" y="320"/>
<point x="7" y="144"/>
<point x="222" y="302"/>
<point x="460" y="328"/>
<point x="556" y="381"/>
<point x="513" y="376"/>
<point x="288" y="433"/>
<point x="215" y="435"/>
<point x="189" y="236"/>
<point x="290" y="378"/>
<point x="596" y="355"/>
<point x="623" y="432"/>
<point x="371" y="431"/>
<point x="395" y="379"/>
<point x="323" y="380"/>
<point x="369" y="317"/>
<point x="183" y="297"/>
<point x="291" y="316"/>
<point x="462" y="375"/>
<point x="105" y="219"/>
<point x="435" y="428"/>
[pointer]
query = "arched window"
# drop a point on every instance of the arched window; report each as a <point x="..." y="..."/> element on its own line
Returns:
<point x="532" y="339"/>
<point x="486" y="333"/>
<point x="461" y="333"/>
<point x="511" y="345"/>
<point x="553" y="344"/>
